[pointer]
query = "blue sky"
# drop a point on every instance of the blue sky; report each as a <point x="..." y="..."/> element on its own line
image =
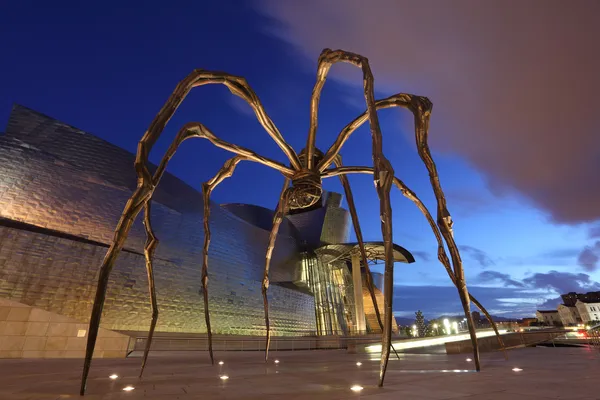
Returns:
<point x="517" y="167"/>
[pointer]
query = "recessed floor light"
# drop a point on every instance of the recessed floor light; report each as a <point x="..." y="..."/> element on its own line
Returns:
<point x="516" y="369"/>
<point x="224" y="377"/>
<point x="276" y="361"/>
<point x="221" y="363"/>
<point x="359" y="363"/>
<point x="469" y="360"/>
<point x="356" y="388"/>
<point x="128" y="388"/>
<point x="113" y="376"/>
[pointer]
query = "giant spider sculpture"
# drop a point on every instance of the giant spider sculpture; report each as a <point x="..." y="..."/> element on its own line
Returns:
<point x="302" y="189"/>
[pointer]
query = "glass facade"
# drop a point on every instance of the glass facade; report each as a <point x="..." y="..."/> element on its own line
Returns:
<point x="331" y="285"/>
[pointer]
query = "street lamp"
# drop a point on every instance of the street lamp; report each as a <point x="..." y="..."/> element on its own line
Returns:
<point x="435" y="326"/>
<point x="447" y="326"/>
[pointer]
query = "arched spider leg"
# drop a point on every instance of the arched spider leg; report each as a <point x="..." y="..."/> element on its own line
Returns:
<point x="281" y="211"/>
<point x="421" y="109"/>
<point x="149" y="248"/>
<point x="383" y="174"/>
<point x="142" y="194"/>
<point x="207" y="187"/>
<point x="397" y="100"/>
<point x="355" y="223"/>
<point x="442" y="256"/>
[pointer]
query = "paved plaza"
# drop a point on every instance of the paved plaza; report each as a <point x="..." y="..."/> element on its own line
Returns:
<point x="546" y="373"/>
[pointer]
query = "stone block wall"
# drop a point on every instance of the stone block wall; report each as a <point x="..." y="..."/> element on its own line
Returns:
<point x="28" y="332"/>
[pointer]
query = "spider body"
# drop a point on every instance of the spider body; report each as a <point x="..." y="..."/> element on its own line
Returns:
<point x="307" y="186"/>
<point x="302" y="189"/>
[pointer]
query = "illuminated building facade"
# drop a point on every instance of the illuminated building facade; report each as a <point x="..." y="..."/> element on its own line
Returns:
<point x="61" y="193"/>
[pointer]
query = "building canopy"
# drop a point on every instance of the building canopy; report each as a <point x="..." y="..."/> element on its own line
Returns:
<point x="375" y="252"/>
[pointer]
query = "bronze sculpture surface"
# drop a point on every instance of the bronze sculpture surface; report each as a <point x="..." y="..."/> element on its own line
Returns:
<point x="302" y="188"/>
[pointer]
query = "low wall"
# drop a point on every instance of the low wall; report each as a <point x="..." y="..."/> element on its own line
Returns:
<point x="28" y="332"/>
<point x="490" y="343"/>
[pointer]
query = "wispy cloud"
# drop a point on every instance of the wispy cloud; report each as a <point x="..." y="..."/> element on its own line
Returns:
<point x="495" y="276"/>
<point x="482" y="258"/>
<point x="562" y="282"/>
<point x="421" y="255"/>
<point x="240" y="106"/>
<point x="594" y="231"/>
<point x="440" y="300"/>
<point x="589" y="258"/>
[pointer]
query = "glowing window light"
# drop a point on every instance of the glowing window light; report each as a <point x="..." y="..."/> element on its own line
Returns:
<point x="128" y="388"/>
<point x="224" y="377"/>
<point x="113" y="376"/>
<point x="356" y="388"/>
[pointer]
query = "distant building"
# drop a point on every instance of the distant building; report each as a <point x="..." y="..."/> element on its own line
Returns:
<point x="588" y="311"/>
<point x="548" y="317"/>
<point x="570" y="299"/>
<point x="527" y="321"/>
<point x="569" y="315"/>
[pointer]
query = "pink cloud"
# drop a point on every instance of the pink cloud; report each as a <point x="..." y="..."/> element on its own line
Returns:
<point x="515" y="85"/>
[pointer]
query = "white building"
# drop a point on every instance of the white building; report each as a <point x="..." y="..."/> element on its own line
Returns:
<point x="588" y="311"/>
<point x="569" y="315"/>
<point x="548" y="317"/>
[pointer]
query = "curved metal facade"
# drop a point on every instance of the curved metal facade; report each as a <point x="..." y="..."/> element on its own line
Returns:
<point x="61" y="193"/>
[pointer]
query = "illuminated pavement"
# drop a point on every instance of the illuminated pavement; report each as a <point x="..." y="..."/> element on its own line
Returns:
<point x="547" y="373"/>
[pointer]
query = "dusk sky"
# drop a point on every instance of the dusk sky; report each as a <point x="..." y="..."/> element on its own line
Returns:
<point x="515" y="127"/>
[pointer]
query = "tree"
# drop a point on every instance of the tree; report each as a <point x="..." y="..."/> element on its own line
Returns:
<point x="434" y="327"/>
<point x="420" y="322"/>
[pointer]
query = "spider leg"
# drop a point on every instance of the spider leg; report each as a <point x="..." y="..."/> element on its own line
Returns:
<point x="282" y="209"/>
<point x="149" y="248"/>
<point x="442" y="256"/>
<point x="225" y="172"/>
<point x="421" y="109"/>
<point x="383" y="174"/>
<point x="355" y="223"/>
<point x="142" y="194"/>
<point x="397" y="100"/>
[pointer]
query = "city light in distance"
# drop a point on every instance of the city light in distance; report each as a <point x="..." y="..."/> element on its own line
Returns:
<point x="356" y="388"/>
<point x="128" y="388"/>
<point x="113" y="376"/>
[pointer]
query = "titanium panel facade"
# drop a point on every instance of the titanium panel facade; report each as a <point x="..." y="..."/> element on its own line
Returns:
<point x="66" y="181"/>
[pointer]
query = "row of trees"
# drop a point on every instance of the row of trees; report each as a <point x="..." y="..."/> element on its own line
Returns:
<point x="422" y="328"/>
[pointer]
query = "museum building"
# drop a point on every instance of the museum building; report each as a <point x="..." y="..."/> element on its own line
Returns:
<point x="62" y="191"/>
